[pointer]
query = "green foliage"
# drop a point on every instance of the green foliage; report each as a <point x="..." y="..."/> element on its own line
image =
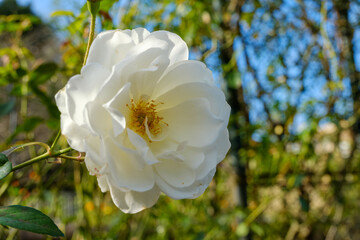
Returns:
<point x="42" y="73"/>
<point x="5" y="166"/>
<point x="8" y="7"/>
<point x="29" y="219"/>
<point x="6" y="108"/>
<point x="62" y="13"/>
<point x="299" y="177"/>
<point x="28" y="126"/>
<point x="13" y="23"/>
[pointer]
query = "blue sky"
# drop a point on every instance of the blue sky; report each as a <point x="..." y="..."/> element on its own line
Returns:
<point x="44" y="8"/>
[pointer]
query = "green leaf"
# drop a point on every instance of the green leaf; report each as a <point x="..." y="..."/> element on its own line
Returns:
<point x="5" y="166"/>
<point x="29" y="219"/>
<point x="234" y="79"/>
<point x="258" y="229"/>
<point x="29" y="125"/>
<point x="17" y="22"/>
<point x="46" y="100"/>
<point x="6" y="108"/>
<point x="62" y="13"/>
<point x="42" y="73"/>
<point x="53" y="123"/>
<point x="107" y="4"/>
<point x="39" y="76"/>
<point x="242" y="230"/>
<point x="247" y="17"/>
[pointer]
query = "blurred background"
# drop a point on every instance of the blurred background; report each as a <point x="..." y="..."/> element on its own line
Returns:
<point x="291" y="72"/>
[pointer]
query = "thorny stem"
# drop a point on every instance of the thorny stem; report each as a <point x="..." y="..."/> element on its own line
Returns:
<point x="91" y="36"/>
<point x="13" y="149"/>
<point x="34" y="143"/>
<point x="46" y="155"/>
<point x="55" y="140"/>
<point x="79" y="159"/>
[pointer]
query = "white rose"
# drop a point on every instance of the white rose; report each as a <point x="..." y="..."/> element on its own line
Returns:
<point x="148" y="119"/>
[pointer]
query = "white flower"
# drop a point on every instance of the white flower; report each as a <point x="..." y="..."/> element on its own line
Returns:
<point x="148" y="119"/>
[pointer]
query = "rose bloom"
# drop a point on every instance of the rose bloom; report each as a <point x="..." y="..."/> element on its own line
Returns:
<point x="148" y="119"/>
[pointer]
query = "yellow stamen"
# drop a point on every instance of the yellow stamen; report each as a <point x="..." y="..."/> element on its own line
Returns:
<point x="144" y="111"/>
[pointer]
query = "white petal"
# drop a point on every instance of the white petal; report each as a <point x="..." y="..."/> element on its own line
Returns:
<point x="133" y="202"/>
<point x="118" y="198"/>
<point x="139" y="34"/>
<point x="147" y="62"/>
<point x="110" y="48"/>
<point x="192" y="121"/>
<point x="145" y="53"/>
<point x="187" y="91"/>
<point x="61" y="99"/>
<point x="144" y="80"/>
<point x="94" y="76"/>
<point x="71" y="130"/>
<point x="97" y="119"/>
<point x="117" y="79"/>
<point x="165" y="146"/>
<point x="124" y="170"/>
<point x="175" y="173"/>
<point x="142" y="147"/>
<point x="161" y="135"/>
<point x="117" y="107"/>
<point x="103" y="184"/>
<point x="207" y="165"/>
<point x="222" y="145"/>
<point x="74" y="133"/>
<point x="94" y="148"/>
<point x="193" y="157"/>
<point x="138" y="201"/>
<point x="159" y="44"/>
<point x="178" y="50"/>
<point x="172" y="155"/>
<point x="214" y="154"/>
<point x="98" y="171"/>
<point x="192" y="191"/>
<point x="181" y="73"/>
<point x="83" y="88"/>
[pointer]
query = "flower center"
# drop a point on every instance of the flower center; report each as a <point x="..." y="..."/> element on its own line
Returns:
<point x="143" y="115"/>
